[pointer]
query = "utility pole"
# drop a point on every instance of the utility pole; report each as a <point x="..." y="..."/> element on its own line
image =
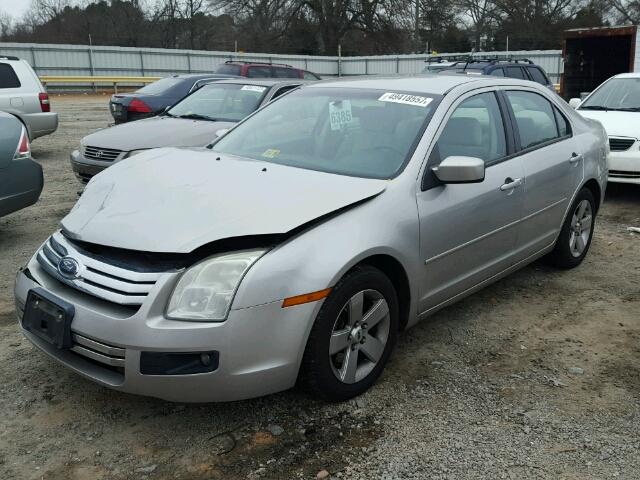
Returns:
<point x="417" y="32"/>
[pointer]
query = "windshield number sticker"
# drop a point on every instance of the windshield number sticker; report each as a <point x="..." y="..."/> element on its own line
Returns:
<point x="340" y="114"/>
<point x="271" y="153"/>
<point x="406" y="99"/>
<point x="253" y="88"/>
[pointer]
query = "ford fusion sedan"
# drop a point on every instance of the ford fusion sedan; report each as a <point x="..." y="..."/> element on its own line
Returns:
<point x="616" y="104"/>
<point x="20" y="177"/>
<point x="193" y="122"/>
<point x="299" y="245"/>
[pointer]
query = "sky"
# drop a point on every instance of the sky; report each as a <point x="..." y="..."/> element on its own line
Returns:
<point x="15" y="8"/>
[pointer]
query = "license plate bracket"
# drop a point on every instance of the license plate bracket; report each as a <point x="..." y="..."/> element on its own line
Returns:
<point x="48" y="317"/>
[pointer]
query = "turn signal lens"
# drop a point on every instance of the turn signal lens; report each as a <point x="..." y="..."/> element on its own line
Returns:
<point x="306" y="298"/>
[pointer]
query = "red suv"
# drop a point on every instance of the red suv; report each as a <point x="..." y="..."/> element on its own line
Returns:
<point x="264" y="70"/>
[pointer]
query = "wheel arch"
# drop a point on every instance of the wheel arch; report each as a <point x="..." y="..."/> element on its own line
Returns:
<point x="396" y="272"/>
<point x="594" y="187"/>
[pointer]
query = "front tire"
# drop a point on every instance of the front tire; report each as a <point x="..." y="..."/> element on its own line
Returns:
<point x="352" y="337"/>
<point x="577" y="232"/>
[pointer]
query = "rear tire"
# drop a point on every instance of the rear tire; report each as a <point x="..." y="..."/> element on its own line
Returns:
<point x="577" y="232"/>
<point x="352" y="337"/>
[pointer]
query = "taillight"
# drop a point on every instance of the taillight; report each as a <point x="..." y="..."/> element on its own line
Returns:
<point x="24" y="149"/>
<point x="45" y="106"/>
<point x="138" y="106"/>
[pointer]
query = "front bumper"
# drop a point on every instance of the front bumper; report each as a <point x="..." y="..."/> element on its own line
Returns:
<point x="624" y="166"/>
<point x="260" y="348"/>
<point x="84" y="168"/>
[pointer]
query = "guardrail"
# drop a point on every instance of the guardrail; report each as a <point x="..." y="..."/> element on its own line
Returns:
<point x="95" y="80"/>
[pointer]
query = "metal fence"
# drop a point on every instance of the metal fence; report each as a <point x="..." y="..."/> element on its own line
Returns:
<point x="49" y="59"/>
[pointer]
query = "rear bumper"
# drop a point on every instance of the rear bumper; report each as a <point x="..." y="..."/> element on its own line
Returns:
<point x="40" y="124"/>
<point x="21" y="186"/>
<point x="85" y="169"/>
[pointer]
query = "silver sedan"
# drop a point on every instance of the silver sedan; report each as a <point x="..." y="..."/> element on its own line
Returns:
<point x="301" y="242"/>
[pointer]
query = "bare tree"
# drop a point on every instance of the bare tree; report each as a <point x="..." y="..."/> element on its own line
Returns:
<point x="48" y="10"/>
<point x="481" y="13"/>
<point x="6" y="23"/>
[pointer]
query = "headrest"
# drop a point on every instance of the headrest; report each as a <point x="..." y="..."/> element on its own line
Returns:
<point x="376" y="119"/>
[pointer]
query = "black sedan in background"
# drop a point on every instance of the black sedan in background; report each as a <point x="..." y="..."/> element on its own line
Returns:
<point x="20" y="177"/>
<point x="155" y="97"/>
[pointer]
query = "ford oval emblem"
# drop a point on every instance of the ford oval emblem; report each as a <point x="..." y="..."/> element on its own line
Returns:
<point x="69" y="267"/>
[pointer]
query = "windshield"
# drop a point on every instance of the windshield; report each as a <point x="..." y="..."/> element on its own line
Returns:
<point x="161" y="86"/>
<point x="220" y="101"/>
<point x="364" y="133"/>
<point x="616" y="94"/>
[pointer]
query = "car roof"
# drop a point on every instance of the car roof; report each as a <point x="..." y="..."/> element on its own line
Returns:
<point x="426" y="83"/>
<point x="437" y="84"/>
<point x="628" y="75"/>
<point x="264" y="82"/>
<point x="200" y="76"/>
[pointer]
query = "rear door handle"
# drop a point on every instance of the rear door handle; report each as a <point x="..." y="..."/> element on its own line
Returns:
<point x="510" y="184"/>
<point x="575" y="157"/>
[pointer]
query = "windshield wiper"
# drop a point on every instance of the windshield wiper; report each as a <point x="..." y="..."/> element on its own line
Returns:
<point x="197" y="116"/>
<point x="627" y="109"/>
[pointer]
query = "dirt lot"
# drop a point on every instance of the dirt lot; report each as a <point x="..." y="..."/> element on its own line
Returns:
<point x="537" y="376"/>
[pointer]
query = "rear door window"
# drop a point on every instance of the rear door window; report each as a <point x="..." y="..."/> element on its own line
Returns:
<point x="498" y="72"/>
<point x="515" y="72"/>
<point x="228" y="69"/>
<point x="310" y="76"/>
<point x="535" y="118"/>
<point x="259" y="72"/>
<point x="537" y="75"/>
<point x="8" y="77"/>
<point x="280" y="72"/>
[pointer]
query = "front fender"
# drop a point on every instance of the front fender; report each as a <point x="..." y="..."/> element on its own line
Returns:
<point x="317" y="258"/>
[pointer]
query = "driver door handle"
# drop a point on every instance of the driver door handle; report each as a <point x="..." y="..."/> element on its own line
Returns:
<point x="510" y="184"/>
<point x="575" y="157"/>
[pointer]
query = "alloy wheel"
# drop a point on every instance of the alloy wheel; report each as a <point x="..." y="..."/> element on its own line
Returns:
<point x="359" y="336"/>
<point x="580" y="228"/>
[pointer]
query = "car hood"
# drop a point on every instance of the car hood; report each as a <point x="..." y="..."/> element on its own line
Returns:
<point x="617" y="124"/>
<point x="176" y="200"/>
<point x="156" y="132"/>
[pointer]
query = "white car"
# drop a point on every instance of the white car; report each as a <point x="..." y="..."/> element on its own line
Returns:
<point x="616" y="104"/>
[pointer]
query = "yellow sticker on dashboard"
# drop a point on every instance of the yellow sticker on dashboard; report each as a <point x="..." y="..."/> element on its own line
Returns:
<point x="271" y="153"/>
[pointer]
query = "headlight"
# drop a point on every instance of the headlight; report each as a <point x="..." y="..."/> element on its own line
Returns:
<point x="205" y="291"/>
<point x="135" y="152"/>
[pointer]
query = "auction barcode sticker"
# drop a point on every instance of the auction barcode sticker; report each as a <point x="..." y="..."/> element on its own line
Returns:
<point x="406" y="99"/>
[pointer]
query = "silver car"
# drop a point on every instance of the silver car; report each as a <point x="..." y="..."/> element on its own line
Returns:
<point x="23" y="96"/>
<point x="306" y="238"/>
<point x="194" y="121"/>
<point x="21" y="178"/>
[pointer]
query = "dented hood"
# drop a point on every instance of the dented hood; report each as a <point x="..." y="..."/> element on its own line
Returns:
<point x="156" y="132"/>
<point x="176" y="200"/>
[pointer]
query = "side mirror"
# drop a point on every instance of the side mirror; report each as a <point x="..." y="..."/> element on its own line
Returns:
<point x="575" y="103"/>
<point x="458" y="169"/>
<point x="221" y="132"/>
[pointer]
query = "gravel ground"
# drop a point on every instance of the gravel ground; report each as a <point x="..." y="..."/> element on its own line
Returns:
<point x="537" y="376"/>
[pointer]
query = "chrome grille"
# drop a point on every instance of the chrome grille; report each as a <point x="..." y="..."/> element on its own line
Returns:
<point x="624" y="174"/>
<point x="620" y="144"/>
<point x="102" y="280"/>
<point x="102" y="154"/>
<point x="98" y="351"/>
